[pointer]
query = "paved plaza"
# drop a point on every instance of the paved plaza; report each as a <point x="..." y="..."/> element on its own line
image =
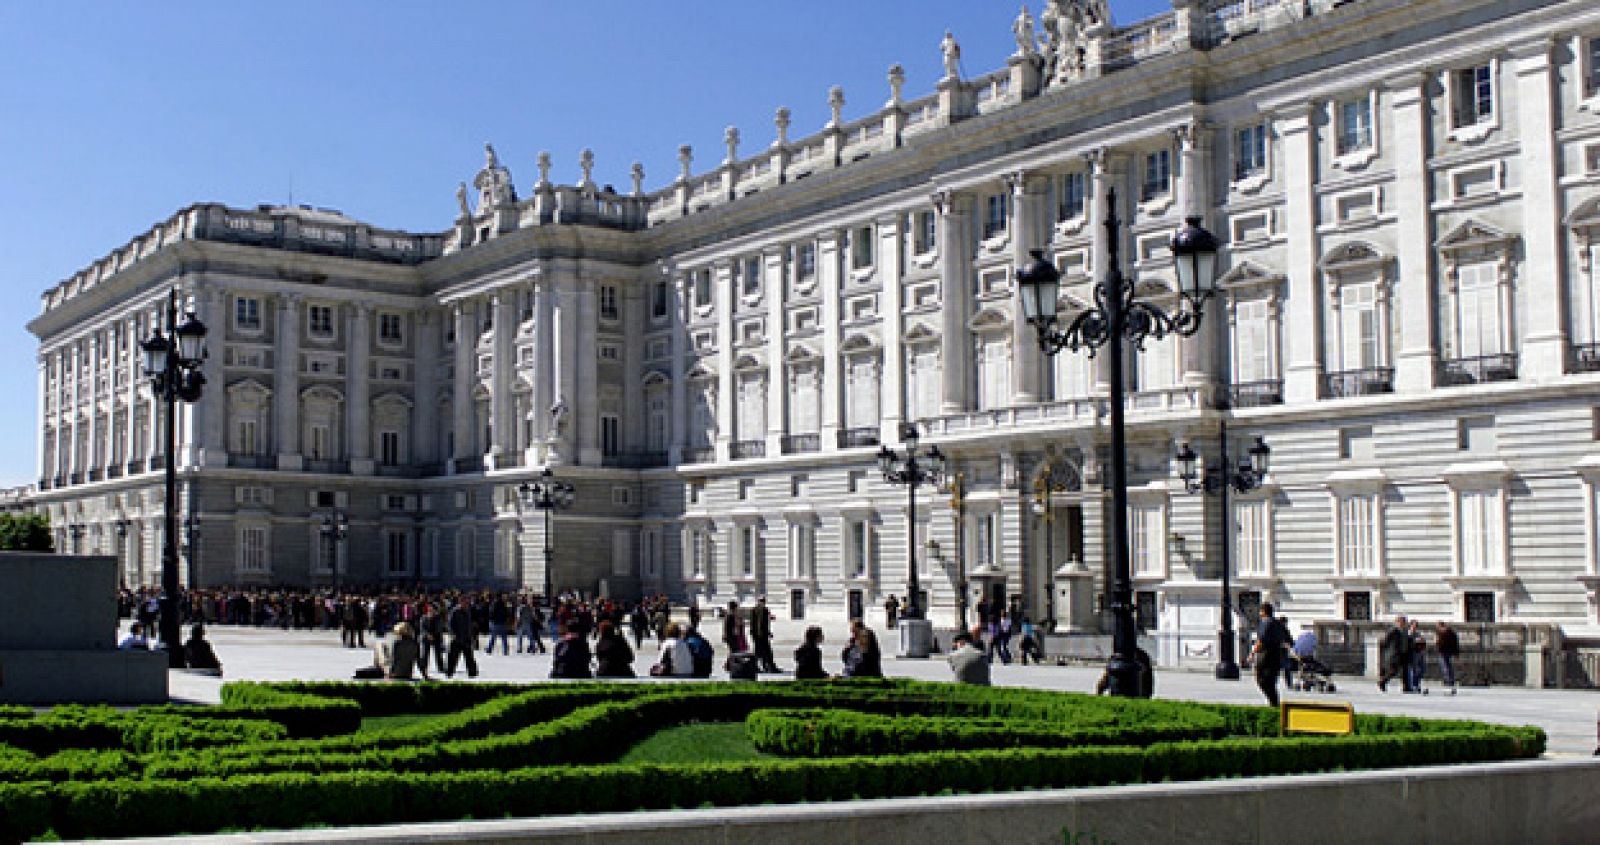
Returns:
<point x="1568" y="716"/>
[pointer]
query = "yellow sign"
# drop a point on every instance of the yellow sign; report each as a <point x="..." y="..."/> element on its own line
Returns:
<point x="1331" y="718"/>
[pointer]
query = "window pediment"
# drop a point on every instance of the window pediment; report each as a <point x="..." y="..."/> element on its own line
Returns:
<point x="857" y="344"/>
<point x="655" y="379"/>
<point x="989" y="319"/>
<point x="397" y="401"/>
<point x="321" y="393"/>
<point x="1353" y="257"/>
<point x="1585" y="216"/>
<point x="920" y="333"/>
<point x="1476" y="475"/>
<point x="801" y="354"/>
<point x="1247" y="275"/>
<point x="247" y="390"/>
<point x="1472" y="234"/>
<point x="748" y="363"/>
<point x="1356" y="481"/>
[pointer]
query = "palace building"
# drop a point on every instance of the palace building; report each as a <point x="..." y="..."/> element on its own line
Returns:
<point x="1408" y="196"/>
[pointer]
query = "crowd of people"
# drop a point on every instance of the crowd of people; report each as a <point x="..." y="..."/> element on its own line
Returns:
<point x="1402" y="653"/>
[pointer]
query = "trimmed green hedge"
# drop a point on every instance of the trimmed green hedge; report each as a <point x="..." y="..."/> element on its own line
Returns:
<point x="546" y="749"/>
<point x="150" y="729"/>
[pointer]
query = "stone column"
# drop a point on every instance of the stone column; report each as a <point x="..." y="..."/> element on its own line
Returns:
<point x="96" y="343"/>
<point x="678" y="439"/>
<point x="1201" y="367"/>
<point x="828" y="285"/>
<point x="465" y="374"/>
<point x="1029" y="217"/>
<point x="723" y="292"/>
<point x="586" y="376"/>
<point x="358" y="390"/>
<point x="501" y="406"/>
<point x="1544" y="348"/>
<point x="955" y="290"/>
<point x="892" y="232"/>
<point x="1107" y="170"/>
<point x="564" y="345"/>
<point x="286" y="384"/>
<point x="778" y="397"/>
<point x="1416" y="299"/>
<point x="212" y="409"/>
<point x="136" y="382"/>
<point x="425" y="401"/>
<point x="43" y="394"/>
<point x="1302" y="327"/>
<point x="543" y="372"/>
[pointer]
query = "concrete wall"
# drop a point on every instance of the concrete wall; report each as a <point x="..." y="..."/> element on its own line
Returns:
<point x="57" y="602"/>
<point x="1533" y="802"/>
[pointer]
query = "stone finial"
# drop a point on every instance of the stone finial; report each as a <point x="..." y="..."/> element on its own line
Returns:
<point x="637" y="172"/>
<point x="544" y="169"/>
<point x="782" y="122"/>
<point x="730" y="137"/>
<point x="1027" y="39"/>
<point x="685" y="159"/>
<point x="586" y="164"/>
<point x="836" y="103"/>
<point x="461" y="201"/>
<point x="952" y="55"/>
<point x="897" y="83"/>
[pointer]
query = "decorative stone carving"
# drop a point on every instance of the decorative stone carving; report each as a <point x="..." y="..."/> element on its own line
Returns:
<point x="461" y="200"/>
<point x="836" y="104"/>
<point x="897" y="84"/>
<point x="1066" y="24"/>
<point x="493" y="182"/>
<point x="544" y="169"/>
<point x="586" y="164"/>
<point x="730" y="137"/>
<point x="1022" y="28"/>
<point x="685" y="160"/>
<point x="781" y="120"/>
<point x="637" y="173"/>
<point x="952" y="56"/>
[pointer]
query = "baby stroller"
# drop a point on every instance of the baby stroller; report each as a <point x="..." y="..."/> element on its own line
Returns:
<point x="1312" y="675"/>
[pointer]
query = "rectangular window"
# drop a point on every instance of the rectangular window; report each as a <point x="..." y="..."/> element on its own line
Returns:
<point x="1358" y="532"/>
<point x="245" y="439"/>
<point x="321" y="321"/>
<point x="1157" y="175"/>
<point x="1358" y="314"/>
<point x="389" y="328"/>
<point x="1355" y="443"/>
<point x="702" y="288"/>
<point x="983" y="542"/>
<point x="1146" y="541"/>
<point x="1481" y="533"/>
<point x="321" y="443"/>
<point x="805" y="261"/>
<point x="1144" y="610"/>
<point x="1252" y="552"/>
<point x="749" y="550"/>
<point x="1071" y="189"/>
<point x="1476" y="434"/>
<point x="1591" y="67"/>
<point x="1355" y="125"/>
<point x="389" y="448"/>
<point x="997" y="208"/>
<point x="860" y="538"/>
<point x="1479" y="608"/>
<point x="253" y="549"/>
<point x="1358" y="606"/>
<point x="751" y="276"/>
<point x="608" y="302"/>
<point x="861" y="248"/>
<point x="1474" y="96"/>
<point x="802" y="550"/>
<point x="650" y="553"/>
<point x="927" y="233"/>
<point x="466" y="553"/>
<point x="396" y="553"/>
<point x="1252" y="347"/>
<point x="658" y="300"/>
<point x="1478" y="304"/>
<point x="610" y="434"/>
<point x="247" y="314"/>
<point x="1250" y="151"/>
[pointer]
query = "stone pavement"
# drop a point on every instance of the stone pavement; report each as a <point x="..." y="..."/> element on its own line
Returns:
<point x="1568" y="716"/>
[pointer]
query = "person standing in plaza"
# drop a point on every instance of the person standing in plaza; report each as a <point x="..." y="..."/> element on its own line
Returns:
<point x="430" y="638"/>
<point x="462" y="631"/>
<point x="1448" y="644"/>
<point x="733" y="633"/>
<point x="1417" y="663"/>
<point x="1267" y="653"/>
<point x="761" y="635"/>
<point x="499" y="623"/>
<point x="891" y="611"/>
<point x="1393" y="652"/>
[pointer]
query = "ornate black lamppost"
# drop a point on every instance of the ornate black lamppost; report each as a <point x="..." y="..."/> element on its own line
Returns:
<point x="548" y="494"/>
<point x="1119" y="316"/>
<point x="1223" y="478"/>
<point x="335" y="530"/>
<point x="913" y="469"/>
<point x="172" y="361"/>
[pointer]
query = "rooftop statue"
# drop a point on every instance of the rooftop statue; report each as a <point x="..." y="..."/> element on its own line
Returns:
<point x="493" y="182"/>
<point x="952" y="56"/>
<point x="1022" y="28"/>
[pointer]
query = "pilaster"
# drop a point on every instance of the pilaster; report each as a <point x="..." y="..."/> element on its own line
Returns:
<point x="1201" y="367"/>
<point x="1304" y="294"/>
<point x="358" y="390"/>
<point x="1415" y="297"/>
<point x="891" y="252"/>
<point x="584" y="400"/>
<point x="1544" y="349"/>
<point x="1027" y="232"/>
<point x="778" y="396"/>
<point x="502" y="428"/>
<point x="727" y="384"/>
<point x="1107" y="171"/>
<point x="463" y="371"/>
<point x="678" y="437"/>
<point x="955" y="291"/>
<point x="829" y="282"/>
<point x="286" y="384"/>
<point x="212" y="410"/>
<point x="425" y="404"/>
<point x="564" y="375"/>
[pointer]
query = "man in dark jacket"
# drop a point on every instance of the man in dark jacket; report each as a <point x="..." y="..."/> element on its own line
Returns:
<point x="761" y="635"/>
<point x="1393" y="653"/>
<point x="1271" y="640"/>
<point x="462" y="629"/>
<point x="1449" y="648"/>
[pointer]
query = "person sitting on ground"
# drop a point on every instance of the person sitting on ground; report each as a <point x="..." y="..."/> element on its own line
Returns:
<point x="967" y="661"/>
<point x="135" y="640"/>
<point x="808" y="657"/>
<point x="198" y="654"/>
<point x="570" y="658"/>
<point x="399" y="659"/>
<point x="862" y="659"/>
<point x="674" y="660"/>
<point x="612" y="654"/>
<point x="700" y="651"/>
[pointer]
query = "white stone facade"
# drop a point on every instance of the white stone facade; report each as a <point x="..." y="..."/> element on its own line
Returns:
<point x="1409" y="196"/>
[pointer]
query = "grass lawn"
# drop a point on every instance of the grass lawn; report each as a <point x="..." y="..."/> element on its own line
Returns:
<point x="699" y="743"/>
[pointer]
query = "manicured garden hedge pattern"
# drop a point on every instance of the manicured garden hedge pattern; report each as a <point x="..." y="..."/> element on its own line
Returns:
<point x="286" y="755"/>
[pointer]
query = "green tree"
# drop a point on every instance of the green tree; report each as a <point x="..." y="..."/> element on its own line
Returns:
<point x="25" y="532"/>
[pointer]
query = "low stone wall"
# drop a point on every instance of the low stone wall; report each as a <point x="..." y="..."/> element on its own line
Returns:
<point x="1531" y="801"/>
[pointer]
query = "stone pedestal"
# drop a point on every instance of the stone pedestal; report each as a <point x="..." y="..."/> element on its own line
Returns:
<point x="58" y="635"/>
<point x="916" y="638"/>
<point x="1074" y="586"/>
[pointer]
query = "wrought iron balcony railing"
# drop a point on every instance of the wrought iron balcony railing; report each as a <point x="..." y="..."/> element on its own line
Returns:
<point x="796" y="444"/>
<point x="1371" y="381"/>
<point x="1255" y="394"/>
<point x="1454" y="372"/>
<point x="851" y="438"/>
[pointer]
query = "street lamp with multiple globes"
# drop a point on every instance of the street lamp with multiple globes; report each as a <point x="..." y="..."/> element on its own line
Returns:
<point x="335" y="530"/>
<point x="1223" y="478"/>
<point x="548" y="494"/>
<point x="913" y="469"/>
<point x="172" y="361"/>
<point x="1118" y="316"/>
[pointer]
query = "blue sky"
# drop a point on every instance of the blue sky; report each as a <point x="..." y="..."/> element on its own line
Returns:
<point x="113" y="115"/>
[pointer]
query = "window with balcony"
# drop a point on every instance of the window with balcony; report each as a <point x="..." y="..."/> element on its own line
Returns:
<point x="610" y="434"/>
<point x="924" y="378"/>
<point x="1478" y="345"/>
<point x="1071" y="192"/>
<point x="1255" y="368"/>
<point x="389" y="448"/>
